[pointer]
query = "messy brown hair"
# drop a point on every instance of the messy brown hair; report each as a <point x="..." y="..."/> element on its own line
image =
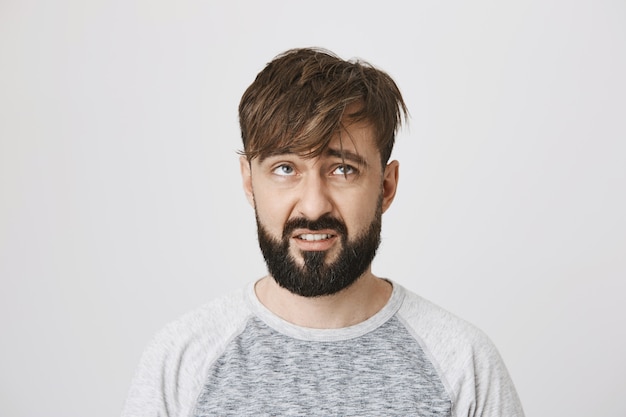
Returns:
<point x="297" y="102"/>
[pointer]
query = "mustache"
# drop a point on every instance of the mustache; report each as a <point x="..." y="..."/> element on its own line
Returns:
<point x="324" y="222"/>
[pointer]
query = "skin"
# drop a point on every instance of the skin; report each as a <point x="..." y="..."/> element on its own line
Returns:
<point x="283" y="187"/>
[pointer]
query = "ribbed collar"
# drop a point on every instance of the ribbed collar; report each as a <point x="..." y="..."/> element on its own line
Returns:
<point x="325" y="335"/>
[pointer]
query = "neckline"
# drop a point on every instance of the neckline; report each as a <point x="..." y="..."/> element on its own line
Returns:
<point x="325" y="335"/>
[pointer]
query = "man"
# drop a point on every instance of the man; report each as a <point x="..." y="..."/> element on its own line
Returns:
<point x="321" y="335"/>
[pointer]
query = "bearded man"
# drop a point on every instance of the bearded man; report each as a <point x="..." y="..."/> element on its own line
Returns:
<point x="321" y="334"/>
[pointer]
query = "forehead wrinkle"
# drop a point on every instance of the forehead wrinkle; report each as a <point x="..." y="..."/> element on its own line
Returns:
<point x="343" y="154"/>
<point x="347" y="156"/>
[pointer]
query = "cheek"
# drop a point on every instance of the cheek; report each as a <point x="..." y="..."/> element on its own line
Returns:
<point x="271" y="212"/>
<point x="361" y="213"/>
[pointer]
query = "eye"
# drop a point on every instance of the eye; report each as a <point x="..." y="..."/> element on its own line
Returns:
<point x="344" y="170"/>
<point x="284" y="170"/>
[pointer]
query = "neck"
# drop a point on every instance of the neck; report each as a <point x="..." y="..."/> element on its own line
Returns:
<point x="357" y="303"/>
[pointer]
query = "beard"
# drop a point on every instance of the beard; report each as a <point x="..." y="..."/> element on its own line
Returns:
<point x="317" y="277"/>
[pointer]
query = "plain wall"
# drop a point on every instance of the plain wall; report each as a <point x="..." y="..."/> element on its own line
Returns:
<point x="121" y="206"/>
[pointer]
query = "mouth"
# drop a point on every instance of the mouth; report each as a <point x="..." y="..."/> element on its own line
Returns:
<point x="313" y="237"/>
<point x="318" y="240"/>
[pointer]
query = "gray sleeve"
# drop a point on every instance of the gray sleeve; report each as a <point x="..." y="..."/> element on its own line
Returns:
<point x="483" y="385"/>
<point x="468" y="362"/>
<point x="172" y="369"/>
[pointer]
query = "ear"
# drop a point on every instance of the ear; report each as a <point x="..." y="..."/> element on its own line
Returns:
<point x="390" y="183"/>
<point x="246" y="177"/>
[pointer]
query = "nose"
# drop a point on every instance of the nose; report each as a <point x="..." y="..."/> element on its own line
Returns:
<point x="315" y="200"/>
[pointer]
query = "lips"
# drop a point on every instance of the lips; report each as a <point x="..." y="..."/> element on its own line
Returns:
<point x="314" y="240"/>
<point x="312" y="237"/>
<point x="305" y="230"/>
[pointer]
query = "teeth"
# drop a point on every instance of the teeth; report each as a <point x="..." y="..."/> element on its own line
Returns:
<point x="311" y="236"/>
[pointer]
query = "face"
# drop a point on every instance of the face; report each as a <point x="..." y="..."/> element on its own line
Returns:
<point x="319" y="218"/>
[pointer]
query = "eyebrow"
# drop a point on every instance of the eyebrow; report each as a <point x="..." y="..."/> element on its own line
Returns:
<point x="347" y="155"/>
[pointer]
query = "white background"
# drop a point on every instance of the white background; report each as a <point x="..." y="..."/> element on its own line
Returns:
<point x="121" y="206"/>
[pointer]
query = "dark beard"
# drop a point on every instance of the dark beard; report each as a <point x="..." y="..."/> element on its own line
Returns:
<point x="316" y="277"/>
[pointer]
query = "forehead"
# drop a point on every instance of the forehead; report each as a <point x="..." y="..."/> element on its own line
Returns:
<point x="354" y="141"/>
<point x="354" y="138"/>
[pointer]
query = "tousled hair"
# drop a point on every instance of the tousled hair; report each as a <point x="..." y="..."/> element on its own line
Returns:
<point x="297" y="102"/>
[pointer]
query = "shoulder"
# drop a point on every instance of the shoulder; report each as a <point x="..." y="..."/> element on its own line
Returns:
<point x="173" y="366"/>
<point x="213" y="321"/>
<point x="468" y="362"/>
<point x="436" y="326"/>
<point x="451" y="341"/>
